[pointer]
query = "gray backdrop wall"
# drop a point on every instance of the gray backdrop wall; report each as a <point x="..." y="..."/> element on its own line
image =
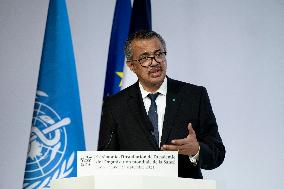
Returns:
<point x="232" y="47"/>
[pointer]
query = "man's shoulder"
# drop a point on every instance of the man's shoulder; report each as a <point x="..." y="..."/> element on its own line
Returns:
<point x="184" y="86"/>
<point x="122" y="95"/>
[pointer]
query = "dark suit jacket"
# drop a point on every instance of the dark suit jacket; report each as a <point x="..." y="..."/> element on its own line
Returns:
<point x="125" y="125"/>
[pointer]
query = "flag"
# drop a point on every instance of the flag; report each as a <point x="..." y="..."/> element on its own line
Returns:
<point x="119" y="34"/>
<point x="57" y="128"/>
<point x="141" y="19"/>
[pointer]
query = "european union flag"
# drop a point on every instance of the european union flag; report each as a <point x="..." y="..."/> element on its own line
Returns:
<point x="119" y="33"/>
<point x="57" y="128"/>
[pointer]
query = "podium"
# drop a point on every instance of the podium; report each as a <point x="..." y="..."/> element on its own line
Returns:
<point x="129" y="170"/>
<point x="131" y="182"/>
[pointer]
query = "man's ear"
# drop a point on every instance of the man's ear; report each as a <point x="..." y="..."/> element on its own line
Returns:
<point x="130" y="65"/>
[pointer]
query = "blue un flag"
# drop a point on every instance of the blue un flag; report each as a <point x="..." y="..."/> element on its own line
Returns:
<point x="57" y="129"/>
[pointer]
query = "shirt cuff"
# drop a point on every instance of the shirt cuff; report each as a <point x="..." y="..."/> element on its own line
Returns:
<point x="194" y="159"/>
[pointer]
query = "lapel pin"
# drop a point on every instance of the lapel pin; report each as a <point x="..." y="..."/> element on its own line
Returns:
<point x="174" y="99"/>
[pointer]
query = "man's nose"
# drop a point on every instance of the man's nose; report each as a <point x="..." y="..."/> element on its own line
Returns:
<point x="153" y="62"/>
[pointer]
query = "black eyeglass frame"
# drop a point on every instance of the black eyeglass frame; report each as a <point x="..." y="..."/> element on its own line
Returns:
<point x="152" y="57"/>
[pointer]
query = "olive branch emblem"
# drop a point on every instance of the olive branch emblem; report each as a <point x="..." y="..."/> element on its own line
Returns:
<point x="64" y="171"/>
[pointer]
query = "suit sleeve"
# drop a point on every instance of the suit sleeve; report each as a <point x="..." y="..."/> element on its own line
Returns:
<point x="212" y="150"/>
<point x="107" y="133"/>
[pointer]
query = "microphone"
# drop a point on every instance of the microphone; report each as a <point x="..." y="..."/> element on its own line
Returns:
<point x="104" y="147"/>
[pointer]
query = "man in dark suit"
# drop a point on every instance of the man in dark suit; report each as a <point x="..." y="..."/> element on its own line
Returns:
<point x="159" y="113"/>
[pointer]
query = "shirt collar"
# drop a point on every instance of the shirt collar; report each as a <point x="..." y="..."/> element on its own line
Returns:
<point x="162" y="90"/>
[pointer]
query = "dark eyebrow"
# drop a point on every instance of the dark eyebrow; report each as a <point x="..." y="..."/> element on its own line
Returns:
<point x="147" y="53"/>
<point x="144" y="54"/>
<point x="158" y="50"/>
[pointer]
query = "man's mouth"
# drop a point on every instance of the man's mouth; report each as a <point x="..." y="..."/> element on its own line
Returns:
<point x="155" y="72"/>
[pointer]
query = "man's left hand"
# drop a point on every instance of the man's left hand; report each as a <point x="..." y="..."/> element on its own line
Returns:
<point x="186" y="146"/>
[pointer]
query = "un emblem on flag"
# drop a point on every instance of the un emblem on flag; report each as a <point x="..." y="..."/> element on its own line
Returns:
<point x="47" y="147"/>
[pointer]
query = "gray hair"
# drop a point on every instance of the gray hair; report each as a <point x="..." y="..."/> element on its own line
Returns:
<point x="143" y="34"/>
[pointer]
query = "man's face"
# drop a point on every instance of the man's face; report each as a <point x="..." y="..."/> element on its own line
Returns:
<point x="150" y="77"/>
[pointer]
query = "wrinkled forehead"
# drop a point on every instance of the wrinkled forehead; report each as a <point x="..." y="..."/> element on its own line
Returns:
<point x="146" y="45"/>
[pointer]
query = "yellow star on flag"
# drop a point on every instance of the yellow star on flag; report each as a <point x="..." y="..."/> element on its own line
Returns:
<point x="120" y="74"/>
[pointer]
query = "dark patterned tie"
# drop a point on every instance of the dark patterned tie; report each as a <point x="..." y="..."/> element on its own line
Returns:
<point x="153" y="115"/>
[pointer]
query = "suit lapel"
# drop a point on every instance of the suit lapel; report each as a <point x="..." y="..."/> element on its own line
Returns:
<point x="173" y="102"/>
<point x="137" y="109"/>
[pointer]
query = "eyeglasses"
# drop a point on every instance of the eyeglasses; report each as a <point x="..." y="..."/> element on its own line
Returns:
<point x="147" y="61"/>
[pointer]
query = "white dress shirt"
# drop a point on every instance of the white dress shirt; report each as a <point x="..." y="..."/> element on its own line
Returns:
<point x="161" y="107"/>
<point x="160" y="101"/>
